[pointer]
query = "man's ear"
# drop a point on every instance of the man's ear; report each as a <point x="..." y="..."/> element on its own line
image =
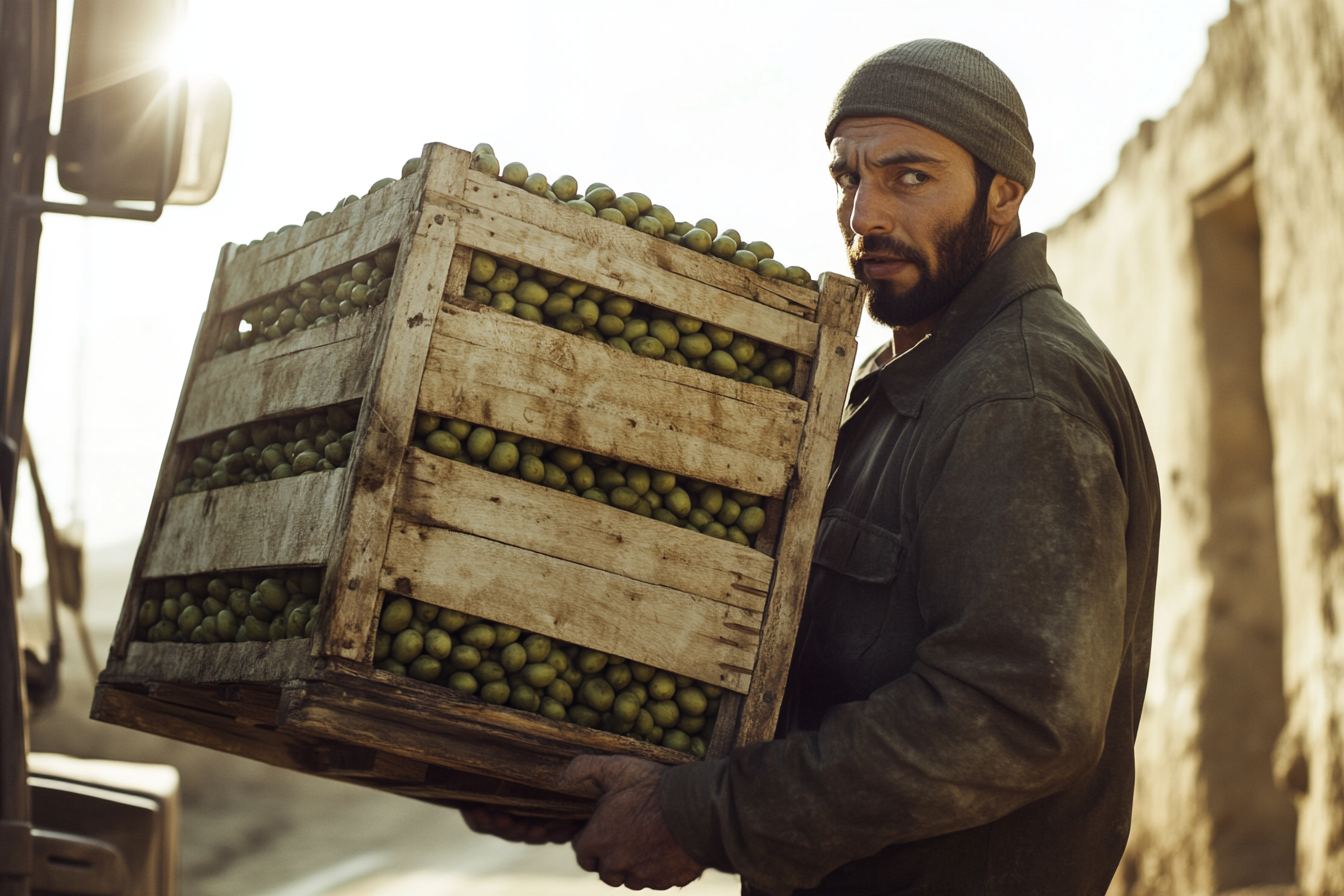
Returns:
<point x="1005" y="197"/>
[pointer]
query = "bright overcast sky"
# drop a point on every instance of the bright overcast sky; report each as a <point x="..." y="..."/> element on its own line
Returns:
<point x="713" y="109"/>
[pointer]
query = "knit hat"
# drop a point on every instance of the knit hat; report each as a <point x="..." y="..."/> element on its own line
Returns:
<point x="949" y="88"/>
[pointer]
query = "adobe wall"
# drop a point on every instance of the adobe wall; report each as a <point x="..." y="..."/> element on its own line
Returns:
<point x="1249" y="437"/>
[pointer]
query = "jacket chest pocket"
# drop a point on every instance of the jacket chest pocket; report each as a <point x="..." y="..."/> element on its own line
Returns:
<point x="857" y="548"/>
<point x="854" y="565"/>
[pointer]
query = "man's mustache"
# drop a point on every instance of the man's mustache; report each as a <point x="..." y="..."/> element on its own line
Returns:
<point x="886" y="246"/>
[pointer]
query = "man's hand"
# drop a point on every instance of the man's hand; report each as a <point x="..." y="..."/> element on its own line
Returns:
<point x="626" y="841"/>
<point x="520" y="828"/>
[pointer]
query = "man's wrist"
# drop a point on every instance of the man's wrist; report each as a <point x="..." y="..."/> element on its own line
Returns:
<point x="688" y="797"/>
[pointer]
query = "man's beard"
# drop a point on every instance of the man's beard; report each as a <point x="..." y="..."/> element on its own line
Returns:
<point x="961" y="250"/>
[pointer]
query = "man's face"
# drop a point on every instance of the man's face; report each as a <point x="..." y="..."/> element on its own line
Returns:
<point x="915" y="228"/>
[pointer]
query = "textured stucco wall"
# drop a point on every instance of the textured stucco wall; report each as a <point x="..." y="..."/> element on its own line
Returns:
<point x="1268" y="103"/>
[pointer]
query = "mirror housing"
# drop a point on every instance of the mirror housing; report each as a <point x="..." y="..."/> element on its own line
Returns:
<point x="132" y="128"/>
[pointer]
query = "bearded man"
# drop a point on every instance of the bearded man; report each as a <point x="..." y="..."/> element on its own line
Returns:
<point x="961" y="710"/>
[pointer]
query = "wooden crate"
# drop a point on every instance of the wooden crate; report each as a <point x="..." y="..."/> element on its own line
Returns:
<point x="399" y="520"/>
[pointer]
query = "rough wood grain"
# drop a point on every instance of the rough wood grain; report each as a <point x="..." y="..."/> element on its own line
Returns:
<point x="725" y="728"/>
<point x="194" y="721"/>
<point x="454" y="796"/>
<point x="207" y="336"/>
<point x="487" y="193"/>
<point x="830" y="378"/>
<point x="210" y="663"/>
<point x="350" y="587"/>
<point x="841" y="306"/>
<point x="442" y="727"/>
<point x="504" y="372"/>
<point x="503" y="758"/>
<point x="254" y="704"/>
<point x="357" y="230"/>
<point x="285" y="522"/>
<point x="653" y="624"/>
<point x="301" y="372"/>
<point x="612" y="270"/>
<point x="446" y="494"/>
<point x="204" y="729"/>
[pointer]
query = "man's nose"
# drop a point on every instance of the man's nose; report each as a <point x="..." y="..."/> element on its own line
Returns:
<point x="870" y="212"/>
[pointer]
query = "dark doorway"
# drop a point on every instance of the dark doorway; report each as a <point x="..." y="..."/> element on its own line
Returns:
<point x="1242" y="705"/>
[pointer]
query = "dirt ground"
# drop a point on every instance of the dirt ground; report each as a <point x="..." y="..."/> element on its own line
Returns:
<point x="249" y="828"/>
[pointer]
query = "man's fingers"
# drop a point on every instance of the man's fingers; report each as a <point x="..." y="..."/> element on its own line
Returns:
<point x="585" y="776"/>
<point x="583" y="851"/>
<point x="596" y="776"/>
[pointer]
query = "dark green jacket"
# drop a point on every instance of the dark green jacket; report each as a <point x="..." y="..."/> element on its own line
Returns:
<point x="961" y="709"/>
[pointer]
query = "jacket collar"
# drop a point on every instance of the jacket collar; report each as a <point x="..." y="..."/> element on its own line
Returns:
<point x="1015" y="270"/>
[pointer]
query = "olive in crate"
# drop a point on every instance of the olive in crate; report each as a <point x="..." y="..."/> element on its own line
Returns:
<point x="676" y="500"/>
<point x="296" y="445"/>
<point x="254" y="605"/>
<point x="624" y="324"/>
<point x="507" y="666"/>
<point x="638" y="212"/>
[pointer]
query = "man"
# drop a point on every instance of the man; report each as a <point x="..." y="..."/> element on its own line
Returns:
<point x="961" y="710"/>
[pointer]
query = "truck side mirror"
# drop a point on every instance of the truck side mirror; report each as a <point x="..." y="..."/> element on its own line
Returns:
<point x="131" y="127"/>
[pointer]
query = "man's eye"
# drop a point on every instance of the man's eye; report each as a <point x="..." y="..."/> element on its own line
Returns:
<point x="847" y="181"/>
<point x="914" y="178"/>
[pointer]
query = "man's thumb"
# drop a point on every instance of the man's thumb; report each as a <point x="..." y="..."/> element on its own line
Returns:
<point x="585" y="776"/>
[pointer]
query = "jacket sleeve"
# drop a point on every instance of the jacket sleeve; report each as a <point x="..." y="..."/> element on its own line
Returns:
<point x="1020" y="542"/>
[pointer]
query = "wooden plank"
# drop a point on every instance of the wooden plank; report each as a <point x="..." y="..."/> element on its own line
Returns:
<point x="254" y="704"/>
<point x="617" y="272"/>
<point x="284" y="522"/>
<point x="830" y="378"/>
<point x="207" y="337"/>
<point x="454" y="797"/>
<point x="725" y="726"/>
<point x="204" y="729"/>
<point x="439" y="726"/>
<point x="670" y="629"/>
<point x="357" y="230"/>
<point x="301" y="372"/>
<point x="350" y="587"/>
<point x="210" y="663"/>
<point x="507" y="373"/>
<point x="330" y="718"/>
<point x="842" y="306"/>
<point x="487" y="193"/>
<point x="331" y="758"/>
<point x="446" y="494"/>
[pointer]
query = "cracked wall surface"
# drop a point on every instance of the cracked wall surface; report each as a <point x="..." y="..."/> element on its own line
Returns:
<point x="1213" y="266"/>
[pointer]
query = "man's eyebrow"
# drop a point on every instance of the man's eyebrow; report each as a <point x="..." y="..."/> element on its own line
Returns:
<point x="907" y="157"/>
<point x="900" y="157"/>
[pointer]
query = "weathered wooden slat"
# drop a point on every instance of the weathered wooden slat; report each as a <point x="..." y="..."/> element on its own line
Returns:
<point x="350" y="588"/>
<point x="207" y="336"/>
<point x="302" y="372"/>
<point x="653" y="624"/>
<point x="438" y="726"/>
<point x="356" y="230"/>
<point x="446" y="494"/>
<point x="285" y="522"/>
<point x="210" y="663"/>
<point x="455" y="797"/>
<point x="838" y="316"/>
<point x="204" y="729"/>
<point x="725" y="728"/>
<point x="612" y="270"/>
<point x="503" y="372"/>
<point x="487" y="193"/>
<point x="195" y="719"/>
<point x="254" y="704"/>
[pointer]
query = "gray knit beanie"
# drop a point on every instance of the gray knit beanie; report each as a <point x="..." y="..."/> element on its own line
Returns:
<point x="949" y="88"/>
